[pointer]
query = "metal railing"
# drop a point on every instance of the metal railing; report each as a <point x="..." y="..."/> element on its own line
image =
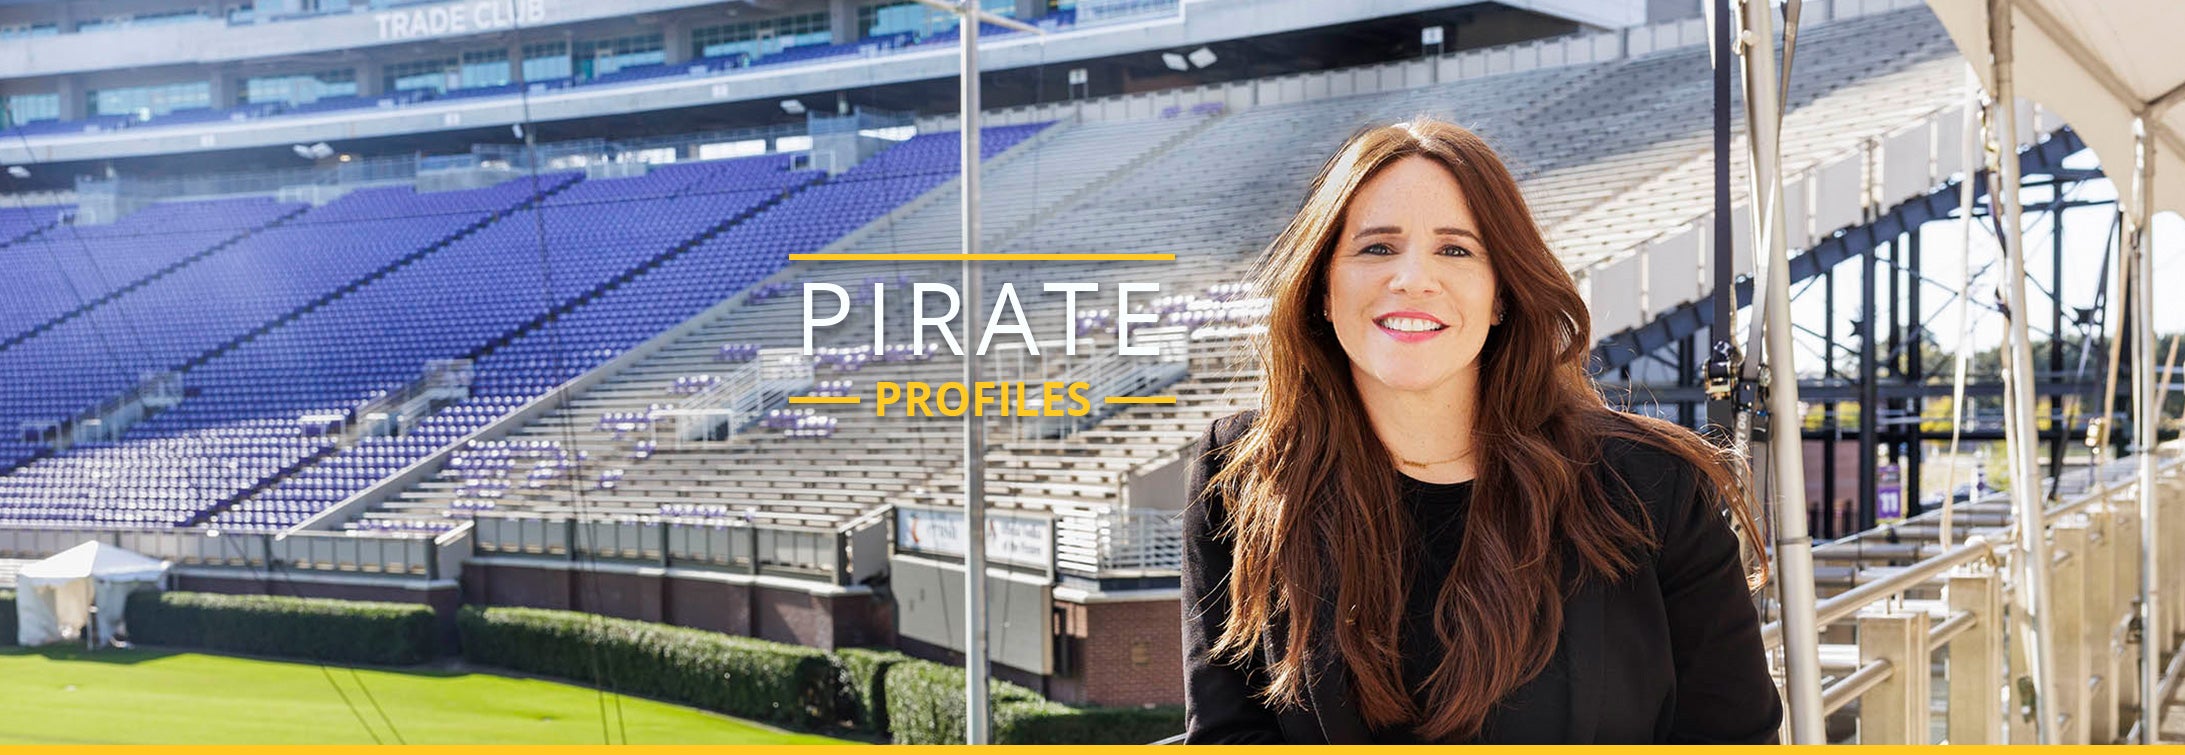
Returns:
<point x="1114" y="543"/>
<point x="741" y="396"/>
<point x="1955" y="602"/>
<point x="820" y="554"/>
<point x="393" y="554"/>
<point x="1105" y="373"/>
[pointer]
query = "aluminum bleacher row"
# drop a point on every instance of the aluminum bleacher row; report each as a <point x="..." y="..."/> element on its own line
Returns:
<point x="1609" y="153"/>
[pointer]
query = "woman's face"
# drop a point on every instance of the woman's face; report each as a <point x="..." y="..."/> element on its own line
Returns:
<point x="1410" y="291"/>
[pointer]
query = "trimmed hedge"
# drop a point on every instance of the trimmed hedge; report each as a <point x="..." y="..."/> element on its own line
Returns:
<point x="861" y="691"/>
<point x="925" y="702"/>
<point x="739" y="676"/>
<point x="1051" y="723"/>
<point x="879" y="691"/>
<point x="347" y="631"/>
<point x="7" y="618"/>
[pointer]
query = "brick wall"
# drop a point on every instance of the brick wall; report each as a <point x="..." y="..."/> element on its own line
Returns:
<point x="1129" y="652"/>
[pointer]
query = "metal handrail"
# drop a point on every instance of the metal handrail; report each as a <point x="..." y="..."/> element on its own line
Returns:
<point x="1849" y="688"/>
<point x="1849" y="602"/>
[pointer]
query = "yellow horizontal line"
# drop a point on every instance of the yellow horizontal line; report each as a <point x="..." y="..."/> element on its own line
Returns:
<point x="986" y="257"/>
<point x="1140" y="399"/>
<point x="824" y="399"/>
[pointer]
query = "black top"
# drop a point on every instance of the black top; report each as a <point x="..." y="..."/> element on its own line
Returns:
<point x="1670" y="653"/>
<point x="1531" y="713"/>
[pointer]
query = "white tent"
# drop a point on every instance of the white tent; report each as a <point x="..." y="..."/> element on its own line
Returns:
<point x="2114" y="71"/>
<point x="54" y="597"/>
<point x="2099" y="65"/>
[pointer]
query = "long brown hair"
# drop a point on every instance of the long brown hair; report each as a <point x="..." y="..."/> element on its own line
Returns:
<point x="1317" y="498"/>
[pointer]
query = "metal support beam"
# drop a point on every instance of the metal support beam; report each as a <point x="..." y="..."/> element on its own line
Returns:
<point x="1915" y="374"/>
<point x="1869" y="387"/>
<point x="1721" y="335"/>
<point x="2056" y="336"/>
<point x="1831" y="413"/>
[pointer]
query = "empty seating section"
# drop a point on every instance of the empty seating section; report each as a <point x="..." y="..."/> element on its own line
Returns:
<point x="185" y="316"/>
<point x="191" y="311"/>
<point x="17" y="223"/>
<point x="450" y="303"/>
<point x="1609" y="154"/>
<point x="70" y="266"/>
<point x="620" y="317"/>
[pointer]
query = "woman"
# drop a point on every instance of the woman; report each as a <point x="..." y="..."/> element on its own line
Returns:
<point x="1435" y="530"/>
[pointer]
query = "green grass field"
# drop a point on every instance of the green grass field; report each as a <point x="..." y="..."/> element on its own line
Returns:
<point x="144" y="696"/>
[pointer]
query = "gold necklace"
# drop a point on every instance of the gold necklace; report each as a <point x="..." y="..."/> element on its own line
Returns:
<point x="1410" y="463"/>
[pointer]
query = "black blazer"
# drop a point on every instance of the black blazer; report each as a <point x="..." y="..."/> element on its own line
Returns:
<point x="1669" y="654"/>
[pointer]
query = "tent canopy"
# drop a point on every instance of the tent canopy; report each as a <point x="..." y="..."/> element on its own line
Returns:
<point x="2099" y="65"/>
<point x="94" y="559"/>
<point x="55" y="598"/>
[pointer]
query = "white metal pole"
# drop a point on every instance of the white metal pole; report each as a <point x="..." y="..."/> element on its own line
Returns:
<point x="2146" y="418"/>
<point x="1794" y="545"/>
<point x="1970" y="158"/>
<point x="976" y="712"/>
<point x="2019" y="432"/>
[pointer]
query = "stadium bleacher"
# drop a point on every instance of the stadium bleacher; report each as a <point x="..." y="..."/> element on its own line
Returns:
<point x="704" y="266"/>
<point x="1585" y="147"/>
<point x="1608" y="152"/>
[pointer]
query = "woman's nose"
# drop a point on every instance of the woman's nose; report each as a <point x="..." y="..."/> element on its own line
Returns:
<point x="1413" y="275"/>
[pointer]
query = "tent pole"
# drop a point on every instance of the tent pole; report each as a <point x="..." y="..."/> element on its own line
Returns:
<point x="2020" y="441"/>
<point x="2145" y="418"/>
<point x="1794" y="545"/>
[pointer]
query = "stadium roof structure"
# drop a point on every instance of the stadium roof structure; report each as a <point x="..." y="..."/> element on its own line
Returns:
<point x="2100" y="66"/>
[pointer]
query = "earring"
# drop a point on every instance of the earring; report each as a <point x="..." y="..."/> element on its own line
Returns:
<point x="1498" y="314"/>
<point x="1325" y="316"/>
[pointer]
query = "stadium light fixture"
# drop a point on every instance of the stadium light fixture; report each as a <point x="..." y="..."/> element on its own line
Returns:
<point x="792" y="107"/>
<point x="1202" y="57"/>
<point x="319" y="151"/>
<point x="18" y="171"/>
<point x="1175" y="62"/>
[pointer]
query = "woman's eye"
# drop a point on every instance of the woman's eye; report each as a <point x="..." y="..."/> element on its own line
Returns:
<point x="1456" y="251"/>
<point x="1377" y="249"/>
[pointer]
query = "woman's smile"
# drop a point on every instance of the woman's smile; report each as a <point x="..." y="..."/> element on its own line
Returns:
<point x="1410" y="327"/>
